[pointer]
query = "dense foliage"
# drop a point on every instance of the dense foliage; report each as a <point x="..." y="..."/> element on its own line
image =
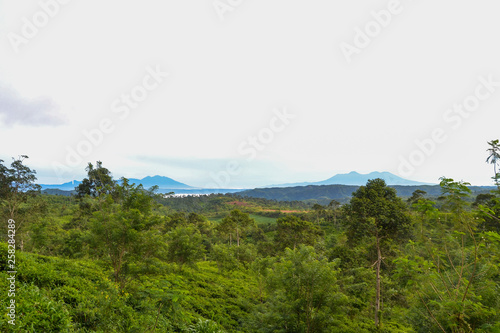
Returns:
<point x="120" y="258"/>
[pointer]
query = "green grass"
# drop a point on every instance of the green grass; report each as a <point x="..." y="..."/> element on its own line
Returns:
<point x="258" y="219"/>
<point x="216" y="220"/>
<point x="263" y="219"/>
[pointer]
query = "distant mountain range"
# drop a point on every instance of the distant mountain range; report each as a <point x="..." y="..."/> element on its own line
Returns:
<point x="69" y="186"/>
<point x="164" y="183"/>
<point x="342" y="193"/>
<point x="357" y="179"/>
<point x="167" y="184"/>
<point x="161" y="181"/>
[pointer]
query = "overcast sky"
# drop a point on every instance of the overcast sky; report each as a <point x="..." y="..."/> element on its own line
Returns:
<point x="247" y="93"/>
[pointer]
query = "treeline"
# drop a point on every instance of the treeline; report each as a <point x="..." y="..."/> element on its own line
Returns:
<point x="218" y="203"/>
<point x="323" y="194"/>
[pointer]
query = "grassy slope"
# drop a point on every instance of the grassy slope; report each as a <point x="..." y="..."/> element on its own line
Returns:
<point x="60" y="295"/>
<point x="258" y="219"/>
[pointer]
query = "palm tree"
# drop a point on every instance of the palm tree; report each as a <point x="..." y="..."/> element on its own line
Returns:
<point x="494" y="158"/>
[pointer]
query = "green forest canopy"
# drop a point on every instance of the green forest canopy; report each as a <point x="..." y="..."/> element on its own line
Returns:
<point x="119" y="258"/>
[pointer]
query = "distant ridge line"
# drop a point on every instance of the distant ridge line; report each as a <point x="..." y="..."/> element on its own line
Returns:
<point x="148" y="181"/>
<point x="357" y="179"/>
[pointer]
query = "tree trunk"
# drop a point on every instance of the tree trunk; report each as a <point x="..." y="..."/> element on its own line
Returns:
<point x="377" y="287"/>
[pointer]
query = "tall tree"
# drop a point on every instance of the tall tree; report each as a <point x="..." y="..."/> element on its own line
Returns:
<point x="333" y="207"/>
<point x="185" y="246"/>
<point x="319" y="212"/>
<point x="17" y="187"/>
<point x="99" y="181"/>
<point x="454" y="193"/>
<point x="123" y="226"/>
<point x="494" y="158"/>
<point x="17" y="184"/>
<point x="376" y="213"/>
<point x="416" y="196"/>
<point x="303" y="293"/>
<point x="236" y="224"/>
<point x="491" y="209"/>
<point x="293" y="231"/>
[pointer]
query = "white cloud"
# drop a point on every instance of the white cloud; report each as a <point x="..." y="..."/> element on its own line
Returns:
<point x="16" y="110"/>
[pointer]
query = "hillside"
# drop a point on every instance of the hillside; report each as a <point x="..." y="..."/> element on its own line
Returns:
<point x="77" y="295"/>
<point x="355" y="178"/>
<point x="56" y="191"/>
<point x="340" y="193"/>
<point x="131" y="261"/>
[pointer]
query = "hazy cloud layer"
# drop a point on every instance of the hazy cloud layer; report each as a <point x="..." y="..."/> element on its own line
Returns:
<point x="16" y="110"/>
<point x="199" y="164"/>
